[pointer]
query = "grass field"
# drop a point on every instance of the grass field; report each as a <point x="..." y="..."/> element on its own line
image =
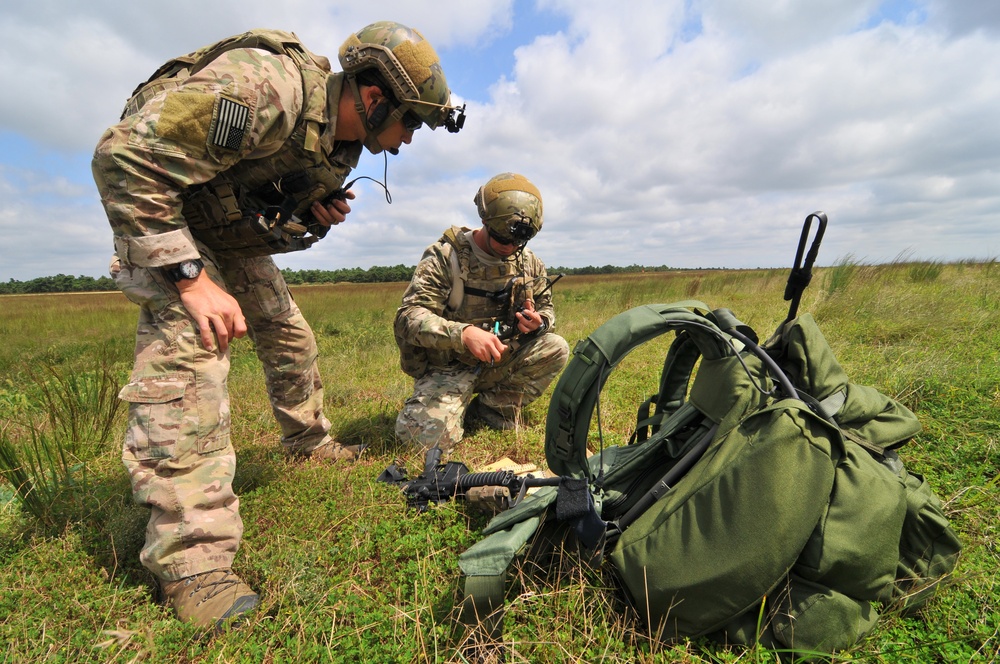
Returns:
<point x="347" y="573"/>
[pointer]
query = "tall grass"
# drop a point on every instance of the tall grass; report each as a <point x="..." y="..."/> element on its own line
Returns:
<point x="82" y="406"/>
<point x="45" y="463"/>
<point x="840" y="276"/>
<point x="347" y="573"/>
<point x="48" y="481"/>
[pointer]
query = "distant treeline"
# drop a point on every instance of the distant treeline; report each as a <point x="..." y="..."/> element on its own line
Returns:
<point x="354" y="275"/>
<point x="608" y="269"/>
<point x="405" y="273"/>
<point x="63" y="283"/>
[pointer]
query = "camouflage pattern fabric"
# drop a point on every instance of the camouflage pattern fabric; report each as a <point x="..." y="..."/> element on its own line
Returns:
<point x="424" y="319"/>
<point x="435" y="412"/>
<point x="407" y="62"/>
<point x="509" y="198"/>
<point x="235" y="118"/>
<point x="177" y="446"/>
<point x="236" y="113"/>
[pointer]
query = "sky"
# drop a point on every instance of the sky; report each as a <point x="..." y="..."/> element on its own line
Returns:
<point x="686" y="133"/>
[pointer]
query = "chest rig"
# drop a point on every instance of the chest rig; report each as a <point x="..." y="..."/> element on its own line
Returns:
<point x="480" y="294"/>
<point x="490" y="292"/>
<point x="261" y="206"/>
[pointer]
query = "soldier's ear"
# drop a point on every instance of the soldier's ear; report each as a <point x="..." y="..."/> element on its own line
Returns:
<point x="371" y="94"/>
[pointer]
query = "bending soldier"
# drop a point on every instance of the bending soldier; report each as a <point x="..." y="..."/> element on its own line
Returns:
<point x="222" y="158"/>
<point x="475" y="325"/>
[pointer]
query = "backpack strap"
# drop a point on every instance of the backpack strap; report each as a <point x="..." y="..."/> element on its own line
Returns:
<point x="458" y="272"/>
<point x="674" y="380"/>
<point x="457" y="293"/>
<point x="484" y="566"/>
<point x="576" y="393"/>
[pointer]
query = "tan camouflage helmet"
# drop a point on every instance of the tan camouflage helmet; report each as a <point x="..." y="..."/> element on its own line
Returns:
<point x="409" y="65"/>
<point x="510" y="207"/>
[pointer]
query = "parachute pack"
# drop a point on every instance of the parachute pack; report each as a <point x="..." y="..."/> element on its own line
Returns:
<point x="761" y="498"/>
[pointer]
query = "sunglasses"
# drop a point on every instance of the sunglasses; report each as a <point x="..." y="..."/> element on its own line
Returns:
<point x="411" y="122"/>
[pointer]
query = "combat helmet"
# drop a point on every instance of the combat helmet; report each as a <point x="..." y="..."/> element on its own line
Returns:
<point x="402" y="59"/>
<point x="511" y="208"/>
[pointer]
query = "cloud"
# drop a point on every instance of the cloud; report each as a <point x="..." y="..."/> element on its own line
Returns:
<point x="50" y="226"/>
<point x="687" y="133"/>
<point x="644" y="136"/>
<point x="67" y="68"/>
<point x="964" y="16"/>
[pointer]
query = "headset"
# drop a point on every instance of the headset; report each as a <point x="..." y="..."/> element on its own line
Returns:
<point x="377" y="113"/>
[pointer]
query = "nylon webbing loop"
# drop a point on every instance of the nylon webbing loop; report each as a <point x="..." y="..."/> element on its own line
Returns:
<point x="482" y="607"/>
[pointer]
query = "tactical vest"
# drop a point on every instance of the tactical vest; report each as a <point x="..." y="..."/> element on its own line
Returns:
<point x="483" y="301"/>
<point x="261" y="206"/>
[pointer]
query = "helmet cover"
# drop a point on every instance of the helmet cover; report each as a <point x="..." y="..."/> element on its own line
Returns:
<point x="408" y="64"/>
<point x="510" y="207"/>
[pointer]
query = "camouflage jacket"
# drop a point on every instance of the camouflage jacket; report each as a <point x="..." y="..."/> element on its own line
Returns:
<point x="429" y="323"/>
<point x="232" y="123"/>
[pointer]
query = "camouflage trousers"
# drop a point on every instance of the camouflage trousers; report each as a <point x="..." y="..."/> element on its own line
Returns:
<point x="177" y="447"/>
<point x="435" y="413"/>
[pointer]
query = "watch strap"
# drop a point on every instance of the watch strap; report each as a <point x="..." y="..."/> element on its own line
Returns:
<point x="187" y="269"/>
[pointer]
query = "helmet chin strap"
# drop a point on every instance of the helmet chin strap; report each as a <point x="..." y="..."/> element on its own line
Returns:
<point x="371" y="135"/>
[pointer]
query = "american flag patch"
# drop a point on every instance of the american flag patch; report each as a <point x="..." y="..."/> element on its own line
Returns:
<point x="230" y="124"/>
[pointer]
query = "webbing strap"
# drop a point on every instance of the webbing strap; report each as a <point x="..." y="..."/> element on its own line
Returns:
<point x="227" y="198"/>
<point x="678" y="366"/>
<point x="457" y="294"/>
<point x="496" y="295"/>
<point x="482" y="607"/>
<point x="643" y="421"/>
<point x="833" y="403"/>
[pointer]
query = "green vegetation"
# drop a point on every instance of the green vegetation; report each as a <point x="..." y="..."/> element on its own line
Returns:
<point x="354" y="275"/>
<point x="63" y="283"/>
<point x="347" y="573"/>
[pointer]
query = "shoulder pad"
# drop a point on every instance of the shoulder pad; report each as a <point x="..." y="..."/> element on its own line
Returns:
<point x="452" y="235"/>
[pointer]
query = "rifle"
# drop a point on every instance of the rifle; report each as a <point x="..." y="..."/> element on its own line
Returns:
<point x="441" y="482"/>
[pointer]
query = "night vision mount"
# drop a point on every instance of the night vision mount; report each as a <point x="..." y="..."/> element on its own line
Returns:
<point x="451" y="122"/>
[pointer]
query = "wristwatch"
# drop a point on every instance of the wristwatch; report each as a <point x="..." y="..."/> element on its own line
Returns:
<point x="189" y="269"/>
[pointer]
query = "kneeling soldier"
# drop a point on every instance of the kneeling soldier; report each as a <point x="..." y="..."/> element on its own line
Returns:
<point x="475" y="328"/>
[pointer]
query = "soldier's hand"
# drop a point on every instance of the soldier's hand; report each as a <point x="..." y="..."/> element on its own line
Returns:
<point x="335" y="212"/>
<point x="485" y="346"/>
<point x="212" y="309"/>
<point x="528" y="320"/>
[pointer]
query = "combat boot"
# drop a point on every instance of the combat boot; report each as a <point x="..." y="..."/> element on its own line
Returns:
<point x="209" y="600"/>
<point x="331" y="450"/>
<point x="493" y="418"/>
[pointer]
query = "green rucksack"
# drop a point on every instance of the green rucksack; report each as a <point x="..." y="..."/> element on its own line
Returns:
<point x="761" y="499"/>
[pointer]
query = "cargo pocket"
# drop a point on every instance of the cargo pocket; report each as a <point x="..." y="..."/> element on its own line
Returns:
<point x="156" y="415"/>
<point x="144" y="286"/>
<point x="266" y="282"/>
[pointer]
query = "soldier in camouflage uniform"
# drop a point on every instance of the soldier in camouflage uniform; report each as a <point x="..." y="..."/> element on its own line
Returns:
<point x="222" y="158"/>
<point x="469" y="286"/>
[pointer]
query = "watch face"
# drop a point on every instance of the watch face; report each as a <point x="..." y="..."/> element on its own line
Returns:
<point x="189" y="269"/>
